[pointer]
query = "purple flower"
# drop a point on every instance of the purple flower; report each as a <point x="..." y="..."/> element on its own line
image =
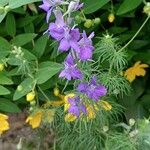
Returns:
<point x="73" y="6"/>
<point x="71" y="71"/>
<point x="57" y="29"/>
<point x="49" y="5"/>
<point x="61" y="32"/>
<point x="85" y="46"/>
<point x="76" y="106"/>
<point x="92" y="90"/>
<point x="70" y="40"/>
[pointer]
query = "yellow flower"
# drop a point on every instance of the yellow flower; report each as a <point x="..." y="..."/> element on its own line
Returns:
<point x="4" y="125"/>
<point x="106" y="105"/>
<point x="53" y="103"/>
<point x="137" y="70"/>
<point x="90" y="112"/>
<point x="30" y="96"/>
<point x="1" y="67"/>
<point x="35" y="119"/>
<point x="111" y="17"/>
<point x="69" y="117"/>
<point x="67" y="105"/>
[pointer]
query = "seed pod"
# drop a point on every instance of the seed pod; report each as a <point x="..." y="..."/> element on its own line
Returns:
<point x="97" y="21"/>
<point x="146" y="8"/>
<point x="2" y="10"/>
<point x="1" y="67"/>
<point x="111" y="17"/>
<point x="88" y="23"/>
<point x="78" y="19"/>
<point x="7" y="9"/>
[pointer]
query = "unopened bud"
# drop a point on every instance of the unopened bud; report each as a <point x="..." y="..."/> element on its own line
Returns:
<point x="19" y="88"/>
<point x="56" y="91"/>
<point x="88" y="23"/>
<point x="105" y="128"/>
<point x="32" y="103"/>
<point x="146" y="8"/>
<point x="97" y="21"/>
<point x="19" y="145"/>
<point x="111" y="18"/>
<point x="131" y="122"/>
<point x="2" y="10"/>
<point x="7" y="9"/>
<point x="2" y="67"/>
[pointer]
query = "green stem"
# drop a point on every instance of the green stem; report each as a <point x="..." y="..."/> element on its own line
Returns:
<point x="136" y="33"/>
<point x="47" y="98"/>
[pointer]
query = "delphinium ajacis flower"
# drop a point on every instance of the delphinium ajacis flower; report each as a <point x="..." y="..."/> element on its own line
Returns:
<point x="50" y="5"/>
<point x="92" y="89"/>
<point x="71" y="70"/>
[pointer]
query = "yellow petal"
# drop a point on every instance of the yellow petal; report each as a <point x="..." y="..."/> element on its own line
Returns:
<point x="4" y="126"/>
<point x="144" y="66"/>
<point x="140" y="72"/>
<point x="137" y="64"/>
<point x="35" y="120"/>
<point x="67" y="104"/>
<point x="57" y="103"/>
<point x="90" y="112"/>
<point x="3" y="117"/>
<point x="69" y="117"/>
<point x="106" y="105"/>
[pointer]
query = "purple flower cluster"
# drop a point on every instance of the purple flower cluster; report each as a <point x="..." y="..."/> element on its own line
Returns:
<point x="93" y="90"/>
<point x="76" y="106"/>
<point x="78" y="45"/>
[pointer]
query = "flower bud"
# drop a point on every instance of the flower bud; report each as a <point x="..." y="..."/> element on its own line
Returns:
<point x="105" y="128"/>
<point x="147" y="121"/>
<point x="111" y="17"/>
<point x="88" y="23"/>
<point x="97" y="21"/>
<point x="7" y="9"/>
<point x="19" y="88"/>
<point x="2" y="10"/>
<point x="30" y="96"/>
<point x="19" y="145"/>
<point x="56" y="91"/>
<point x="78" y="19"/>
<point x="146" y="8"/>
<point x="32" y="103"/>
<point x="1" y="67"/>
<point x="131" y="122"/>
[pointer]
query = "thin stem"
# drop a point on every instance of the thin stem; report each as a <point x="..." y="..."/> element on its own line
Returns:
<point x="136" y="33"/>
<point x="47" y="98"/>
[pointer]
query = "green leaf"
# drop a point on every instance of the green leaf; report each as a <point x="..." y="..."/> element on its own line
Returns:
<point x="3" y="2"/>
<point x="4" y="91"/>
<point x="4" y="79"/>
<point x="2" y="17"/>
<point x="8" y="106"/>
<point x="17" y="3"/>
<point x="128" y="5"/>
<point x="91" y="6"/>
<point x="143" y="57"/>
<point x="40" y="46"/>
<point x="145" y="100"/>
<point x="46" y="71"/>
<point x="11" y="25"/>
<point x="4" y="48"/>
<point x="23" y="39"/>
<point x="25" y="87"/>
